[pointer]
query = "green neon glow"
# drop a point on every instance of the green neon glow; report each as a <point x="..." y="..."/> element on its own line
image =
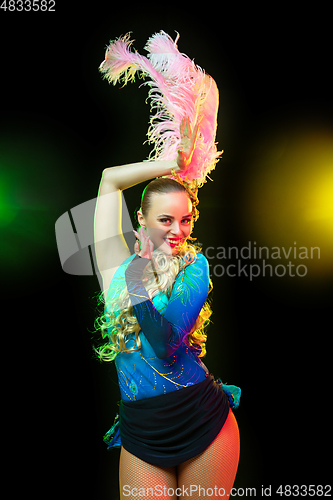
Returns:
<point x="35" y="178"/>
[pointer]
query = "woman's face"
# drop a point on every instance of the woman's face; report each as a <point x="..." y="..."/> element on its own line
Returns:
<point x="169" y="221"/>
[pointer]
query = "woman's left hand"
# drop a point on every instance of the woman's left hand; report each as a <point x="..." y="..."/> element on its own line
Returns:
<point x="143" y="246"/>
<point x="188" y="139"/>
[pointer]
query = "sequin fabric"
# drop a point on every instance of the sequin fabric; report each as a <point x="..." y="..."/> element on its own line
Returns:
<point x="141" y="374"/>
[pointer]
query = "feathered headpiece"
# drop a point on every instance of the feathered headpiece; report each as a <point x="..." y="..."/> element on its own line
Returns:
<point x="178" y="87"/>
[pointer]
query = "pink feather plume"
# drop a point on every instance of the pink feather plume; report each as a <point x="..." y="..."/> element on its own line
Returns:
<point x="178" y="87"/>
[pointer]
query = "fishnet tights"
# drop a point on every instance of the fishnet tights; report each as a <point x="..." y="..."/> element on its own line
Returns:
<point x="210" y="474"/>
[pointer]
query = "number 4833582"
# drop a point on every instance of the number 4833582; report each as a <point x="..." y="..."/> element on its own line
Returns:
<point x="28" y="5"/>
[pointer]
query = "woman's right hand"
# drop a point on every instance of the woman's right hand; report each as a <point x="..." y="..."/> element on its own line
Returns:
<point x="188" y="140"/>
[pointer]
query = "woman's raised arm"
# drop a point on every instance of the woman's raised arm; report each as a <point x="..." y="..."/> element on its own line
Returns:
<point x="110" y="246"/>
<point x="126" y="176"/>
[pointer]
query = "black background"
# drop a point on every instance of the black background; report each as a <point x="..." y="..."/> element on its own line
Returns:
<point x="61" y="125"/>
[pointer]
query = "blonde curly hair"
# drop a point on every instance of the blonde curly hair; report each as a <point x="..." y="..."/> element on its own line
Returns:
<point x="118" y="322"/>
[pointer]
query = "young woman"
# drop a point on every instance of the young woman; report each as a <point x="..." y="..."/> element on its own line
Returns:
<point x="178" y="434"/>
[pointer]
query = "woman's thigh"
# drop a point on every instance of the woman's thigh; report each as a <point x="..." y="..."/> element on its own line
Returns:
<point x="138" y="478"/>
<point x="212" y="473"/>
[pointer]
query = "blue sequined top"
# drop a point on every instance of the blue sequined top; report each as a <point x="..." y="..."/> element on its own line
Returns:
<point x="165" y="362"/>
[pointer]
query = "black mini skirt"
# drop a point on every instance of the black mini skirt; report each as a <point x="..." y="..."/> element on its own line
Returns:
<point x="169" y="429"/>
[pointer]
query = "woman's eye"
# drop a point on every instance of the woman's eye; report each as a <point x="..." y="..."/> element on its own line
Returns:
<point x="184" y="221"/>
